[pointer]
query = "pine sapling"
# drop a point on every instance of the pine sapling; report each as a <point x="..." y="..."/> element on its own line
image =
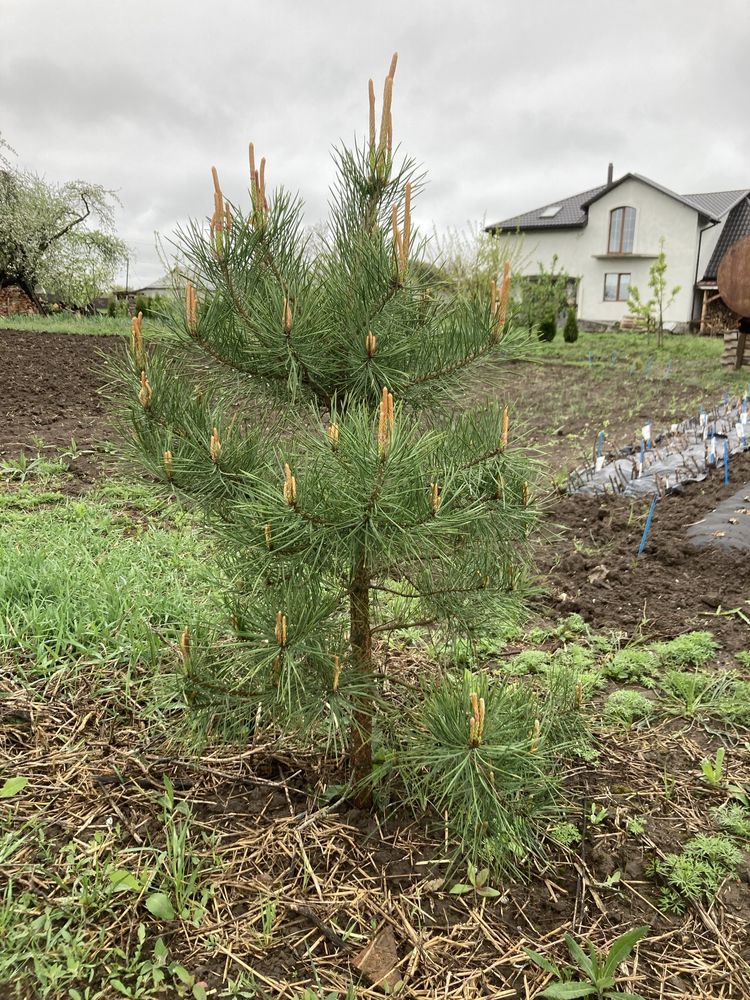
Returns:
<point x="311" y="400"/>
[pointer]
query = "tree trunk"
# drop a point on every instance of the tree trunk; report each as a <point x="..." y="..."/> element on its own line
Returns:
<point x="360" y="637"/>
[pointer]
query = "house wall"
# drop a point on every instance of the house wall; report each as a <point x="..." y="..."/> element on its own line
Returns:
<point x="578" y="250"/>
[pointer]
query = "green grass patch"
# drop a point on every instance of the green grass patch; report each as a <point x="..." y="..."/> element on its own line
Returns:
<point x="89" y="581"/>
<point x="67" y="322"/>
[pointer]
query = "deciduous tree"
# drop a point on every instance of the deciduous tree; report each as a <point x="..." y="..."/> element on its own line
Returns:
<point x="47" y="238"/>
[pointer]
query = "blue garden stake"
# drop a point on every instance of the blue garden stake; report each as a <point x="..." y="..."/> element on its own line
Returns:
<point x="726" y="399"/>
<point x="613" y="357"/>
<point x="668" y="372"/>
<point x="711" y="446"/>
<point x="647" y="528"/>
<point x="726" y="463"/>
<point x="649" y="442"/>
<point x="599" y="443"/>
<point x="591" y="362"/>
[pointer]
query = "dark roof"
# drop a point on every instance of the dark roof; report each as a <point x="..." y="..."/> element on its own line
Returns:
<point x="657" y="187"/>
<point x="570" y="215"/>
<point x="573" y="211"/>
<point x="736" y="226"/>
<point x="717" y="202"/>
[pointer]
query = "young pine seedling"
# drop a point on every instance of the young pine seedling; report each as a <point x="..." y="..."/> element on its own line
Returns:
<point x="477" y="883"/>
<point x="599" y="971"/>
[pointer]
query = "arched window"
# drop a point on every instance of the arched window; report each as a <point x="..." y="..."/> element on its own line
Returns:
<point x="621" y="230"/>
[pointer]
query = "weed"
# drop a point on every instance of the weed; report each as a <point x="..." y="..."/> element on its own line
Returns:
<point x="632" y="666"/>
<point x="478" y="883"/>
<point x="636" y="826"/>
<point x="713" y="770"/>
<point x="599" y="970"/>
<point x="565" y="834"/>
<point x="743" y="659"/>
<point x="530" y="661"/>
<point x="697" y="694"/>
<point x="625" y="708"/>
<point x="597" y="814"/>
<point x="735" y="706"/>
<point x="694" y="649"/>
<point x="182" y="873"/>
<point x="697" y="872"/>
<point x="734" y="818"/>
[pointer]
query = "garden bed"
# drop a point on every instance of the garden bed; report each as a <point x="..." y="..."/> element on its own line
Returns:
<point x="289" y="886"/>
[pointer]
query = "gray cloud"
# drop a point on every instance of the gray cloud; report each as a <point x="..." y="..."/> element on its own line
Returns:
<point x="508" y="103"/>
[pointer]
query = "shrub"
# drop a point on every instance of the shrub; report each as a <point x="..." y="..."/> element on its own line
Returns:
<point x="570" y="330"/>
<point x="304" y="403"/>
<point x="548" y="327"/>
<point x="624" y="708"/>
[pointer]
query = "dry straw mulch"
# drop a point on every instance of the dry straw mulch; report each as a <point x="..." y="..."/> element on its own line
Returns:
<point x="340" y="878"/>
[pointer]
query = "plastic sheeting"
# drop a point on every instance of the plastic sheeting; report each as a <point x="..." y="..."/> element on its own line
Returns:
<point x="664" y="463"/>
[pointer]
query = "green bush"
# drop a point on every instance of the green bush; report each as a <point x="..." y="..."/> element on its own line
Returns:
<point x="548" y="328"/>
<point x="570" y="330"/>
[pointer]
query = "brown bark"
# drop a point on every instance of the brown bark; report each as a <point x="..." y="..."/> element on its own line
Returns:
<point x="360" y="752"/>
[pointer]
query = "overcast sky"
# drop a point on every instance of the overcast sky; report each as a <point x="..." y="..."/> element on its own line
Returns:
<point x="508" y="103"/>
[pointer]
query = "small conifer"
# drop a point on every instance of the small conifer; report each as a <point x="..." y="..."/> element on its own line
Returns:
<point x="311" y="400"/>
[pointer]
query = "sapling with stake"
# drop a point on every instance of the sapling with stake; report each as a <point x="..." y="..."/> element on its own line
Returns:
<point x="311" y="401"/>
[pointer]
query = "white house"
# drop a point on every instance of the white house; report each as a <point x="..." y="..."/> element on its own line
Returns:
<point x="608" y="237"/>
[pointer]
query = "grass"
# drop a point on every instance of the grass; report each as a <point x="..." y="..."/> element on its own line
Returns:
<point x="107" y="578"/>
<point x="67" y="322"/>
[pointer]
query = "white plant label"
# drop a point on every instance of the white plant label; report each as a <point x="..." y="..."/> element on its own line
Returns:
<point x="712" y="447"/>
<point x="599" y="463"/>
<point x="740" y="428"/>
<point x="646" y="432"/>
<point x="743" y="417"/>
<point x="704" y="419"/>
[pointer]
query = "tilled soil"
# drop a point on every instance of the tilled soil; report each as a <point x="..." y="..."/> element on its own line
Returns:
<point x="50" y="396"/>
<point x="592" y="566"/>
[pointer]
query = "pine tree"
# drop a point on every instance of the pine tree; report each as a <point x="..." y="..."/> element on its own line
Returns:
<point x="570" y="330"/>
<point x="310" y="401"/>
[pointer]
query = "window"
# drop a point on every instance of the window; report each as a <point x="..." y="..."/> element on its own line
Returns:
<point x="616" y="287"/>
<point x="550" y="211"/>
<point x="621" y="230"/>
